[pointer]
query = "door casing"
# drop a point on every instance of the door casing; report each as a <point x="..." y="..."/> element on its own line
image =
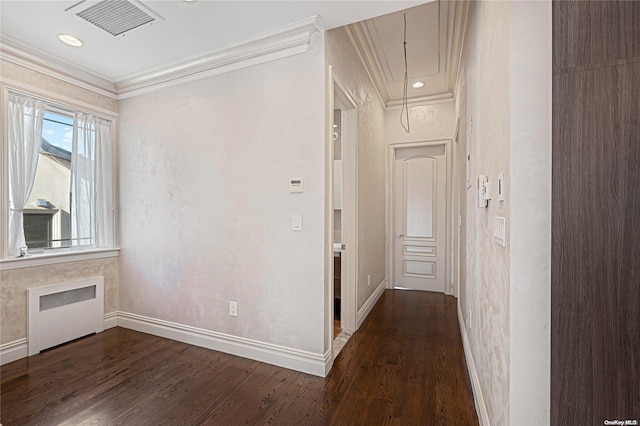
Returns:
<point x="341" y="97"/>
<point x="391" y="157"/>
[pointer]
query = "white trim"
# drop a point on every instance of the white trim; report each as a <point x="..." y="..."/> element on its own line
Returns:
<point x="390" y="193"/>
<point x="110" y="320"/>
<point x="455" y="23"/>
<point x="279" y="43"/>
<point x="294" y="359"/>
<point x="15" y="51"/>
<point x="441" y="98"/>
<point x="366" y="308"/>
<point x="56" y="258"/>
<point x="4" y="172"/>
<point x="276" y="44"/>
<point x="355" y="42"/>
<point x="481" y="408"/>
<point x="345" y="100"/>
<point x="56" y="99"/>
<point x="13" y="351"/>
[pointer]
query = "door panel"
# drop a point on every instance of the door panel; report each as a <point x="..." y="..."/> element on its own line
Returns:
<point x="419" y="211"/>
<point x="420" y="189"/>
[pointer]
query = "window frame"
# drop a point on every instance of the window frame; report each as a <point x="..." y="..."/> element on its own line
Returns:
<point x="62" y="254"/>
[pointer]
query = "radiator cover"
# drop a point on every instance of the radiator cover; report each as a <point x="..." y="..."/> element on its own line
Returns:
<point x="62" y="312"/>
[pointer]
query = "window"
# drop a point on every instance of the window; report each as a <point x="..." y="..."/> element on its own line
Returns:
<point x="37" y="230"/>
<point x="50" y="199"/>
<point x="60" y="178"/>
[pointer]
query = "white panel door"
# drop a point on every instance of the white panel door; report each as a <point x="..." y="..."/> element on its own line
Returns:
<point x="420" y="220"/>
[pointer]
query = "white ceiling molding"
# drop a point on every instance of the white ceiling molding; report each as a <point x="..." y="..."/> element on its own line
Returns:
<point x="439" y="87"/>
<point x="463" y="19"/>
<point x="276" y="44"/>
<point x="376" y="87"/>
<point x="357" y="37"/>
<point x="30" y="57"/>
<point x="422" y="100"/>
<point x="286" y="41"/>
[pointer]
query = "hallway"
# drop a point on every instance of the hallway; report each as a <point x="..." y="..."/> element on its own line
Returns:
<point x="404" y="366"/>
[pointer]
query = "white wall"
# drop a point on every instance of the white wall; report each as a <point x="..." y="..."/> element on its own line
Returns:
<point x="428" y="122"/>
<point x="530" y="251"/>
<point x="483" y="96"/>
<point x="206" y="209"/>
<point x="371" y="162"/>
<point x="505" y="86"/>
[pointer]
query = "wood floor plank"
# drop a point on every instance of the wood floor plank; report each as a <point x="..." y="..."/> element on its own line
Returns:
<point x="404" y="366"/>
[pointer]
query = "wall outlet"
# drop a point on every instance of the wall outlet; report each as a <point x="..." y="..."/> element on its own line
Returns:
<point x="233" y="309"/>
<point x="368" y="280"/>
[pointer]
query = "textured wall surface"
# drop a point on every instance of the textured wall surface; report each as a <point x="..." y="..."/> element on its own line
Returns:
<point x="21" y="74"/>
<point x="15" y="282"/>
<point x="371" y="162"/>
<point x="206" y="209"/>
<point x="505" y="114"/>
<point x="484" y="296"/>
<point x="428" y="122"/>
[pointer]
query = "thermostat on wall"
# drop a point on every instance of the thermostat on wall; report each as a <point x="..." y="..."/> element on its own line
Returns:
<point x="296" y="185"/>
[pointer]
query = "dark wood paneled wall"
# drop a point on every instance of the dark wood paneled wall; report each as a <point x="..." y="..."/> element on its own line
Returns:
<point x="595" y="290"/>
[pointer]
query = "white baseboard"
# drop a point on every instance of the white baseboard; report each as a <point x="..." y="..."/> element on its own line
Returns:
<point x="363" y="312"/>
<point x="481" y="408"/>
<point x="110" y="320"/>
<point x="13" y="351"/>
<point x="17" y="349"/>
<point x="294" y="359"/>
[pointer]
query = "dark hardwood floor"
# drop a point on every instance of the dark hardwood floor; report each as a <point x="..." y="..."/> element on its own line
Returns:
<point x="404" y="366"/>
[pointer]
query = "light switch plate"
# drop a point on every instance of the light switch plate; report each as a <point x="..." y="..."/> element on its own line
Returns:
<point x="296" y="222"/>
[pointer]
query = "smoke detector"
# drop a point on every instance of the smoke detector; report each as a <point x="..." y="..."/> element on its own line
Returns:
<point x="117" y="17"/>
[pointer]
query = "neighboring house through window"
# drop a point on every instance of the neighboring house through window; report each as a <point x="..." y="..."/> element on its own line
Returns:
<point x="47" y="219"/>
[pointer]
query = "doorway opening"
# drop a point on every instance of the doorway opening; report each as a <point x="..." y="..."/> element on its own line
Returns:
<point x="343" y="144"/>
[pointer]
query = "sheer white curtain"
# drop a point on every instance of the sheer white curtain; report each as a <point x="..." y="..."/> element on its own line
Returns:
<point x="25" y="139"/>
<point x="92" y="182"/>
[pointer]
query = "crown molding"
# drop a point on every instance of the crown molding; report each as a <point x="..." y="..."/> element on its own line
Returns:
<point x="279" y="43"/>
<point x="439" y="98"/>
<point x="361" y="42"/>
<point x="454" y="18"/>
<point x="20" y="53"/>
<point x="459" y="19"/>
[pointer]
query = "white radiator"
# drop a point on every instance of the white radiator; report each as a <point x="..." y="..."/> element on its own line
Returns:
<point x="63" y="312"/>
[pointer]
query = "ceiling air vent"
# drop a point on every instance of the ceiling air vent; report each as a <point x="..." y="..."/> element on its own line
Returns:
<point x="117" y="17"/>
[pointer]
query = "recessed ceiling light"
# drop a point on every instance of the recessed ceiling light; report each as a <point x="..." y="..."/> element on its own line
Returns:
<point x="418" y="84"/>
<point x="70" y="40"/>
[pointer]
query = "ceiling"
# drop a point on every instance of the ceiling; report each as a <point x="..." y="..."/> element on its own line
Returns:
<point x="434" y="40"/>
<point x="191" y="29"/>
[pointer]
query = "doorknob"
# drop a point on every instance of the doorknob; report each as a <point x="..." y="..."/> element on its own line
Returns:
<point x="399" y="235"/>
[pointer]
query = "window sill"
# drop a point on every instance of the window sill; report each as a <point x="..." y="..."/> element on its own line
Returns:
<point x="55" y="258"/>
